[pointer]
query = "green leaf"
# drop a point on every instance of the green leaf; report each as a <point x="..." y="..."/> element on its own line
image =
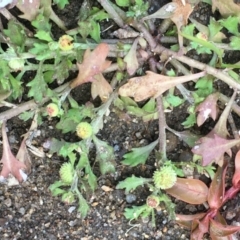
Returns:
<point x="95" y="33"/>
<point x="150" y="106"/>
<point x="190" y="121"/>
<point x="231" y="24"/>
<point x="92" y="179"/>
<point x="83" y="206"/>
<point x="16" y="87"/>
<point x="131" y="183"/>
<point x="235" y="43"/>
<point x="43" y="35"/>
<point x="206" y="44"/>
<point x="136" y="211"/>
<point x="174" y="100"/>
<point x="15" y="33"/>
<point x="38" y="88"/>
<point x="26" y="115"/>
<point x="123" y="3"/>
<point x="214" y="28"/>
<point x="41" y="23"/>
<point x="61" y="3"/>
<point x="105" y="156"/>
<point x="139" y="155"/>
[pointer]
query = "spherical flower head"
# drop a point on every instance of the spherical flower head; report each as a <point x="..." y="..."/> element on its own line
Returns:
<point x="165" y="178"/>
<point x="52" y="109"/>
<point x="16" y="64"/>
<point x="65" y="43"/>
<point x="84" y="130"/>
<point x="153" y="201"/>
<point x="66" y="173"/>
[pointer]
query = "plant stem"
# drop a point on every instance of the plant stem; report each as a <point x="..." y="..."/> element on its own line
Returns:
<point x="162" y="131"/>
<point x="158" y="49"/>
<point x="112" y="12"/>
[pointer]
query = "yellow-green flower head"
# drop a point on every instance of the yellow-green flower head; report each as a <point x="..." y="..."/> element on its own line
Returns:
<point x="153" y="201"/>
<point x="165" y="178"/>
<point x="16" y="64"/>
<point x="84" y="130"/>
<point x="65" y="43"/>
<point x="52" y="109"/>
<point x="66" y="173"/>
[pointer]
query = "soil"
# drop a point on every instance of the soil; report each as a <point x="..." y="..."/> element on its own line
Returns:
<point x="29" y="211"/>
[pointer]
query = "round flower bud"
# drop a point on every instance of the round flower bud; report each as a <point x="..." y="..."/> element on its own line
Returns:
<point x="65" y="43"/>
<point x="66" y="173"/>
<point x="84" y="130"/>
<point x="153" y="201"/>
<point x="52" y="109"/>
<point x="16" y="64"/>
<point x="165" y="178"/>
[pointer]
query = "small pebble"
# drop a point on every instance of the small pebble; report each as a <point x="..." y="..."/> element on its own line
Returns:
<point x="130" y="198"/>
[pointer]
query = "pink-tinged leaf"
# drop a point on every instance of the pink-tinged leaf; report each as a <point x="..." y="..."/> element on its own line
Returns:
<point x="217" y="188"/>
<point x="218" y="230"/>
<point x="236" y="176"/>
<point x="201" y="229"/>
<point x="207" y="108"/>
<point x="153" y="85"/>
<point x="93" y="63"/>
<point x="213" y="147"/>
<point x="192" y="191"/>
<point x="131" y="59"/>
<point x="10" y="164"/>
<point x="100" y="87"/>
<point x="29" y="8"/>
<point x="187" y="220"/>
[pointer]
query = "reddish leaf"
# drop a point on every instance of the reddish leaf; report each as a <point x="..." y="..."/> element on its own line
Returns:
<point x="236" y="176"/>
<point x="93" y="63"/>
<point x="10" y="163"/>
<point x="187" y="220"/>
<point x="217" y="188"/>
<point x="201" y="229"/>
<point x="153" y="85"/>
<point x="191" y="191"/>
<point x="207" y="108"/>
<point x="221" y="230"/>
<point x="213" y="147"/>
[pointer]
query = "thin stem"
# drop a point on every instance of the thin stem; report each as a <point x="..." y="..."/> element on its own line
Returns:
<point x="158" y="49"/>
<point x="162" y="131"/>
<point x="112" y="12"/>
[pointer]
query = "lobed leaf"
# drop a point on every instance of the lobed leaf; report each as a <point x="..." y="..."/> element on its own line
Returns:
<point x="213" y="147"/>
<point x="131" y="183"/>
<point x="139" y="155"/>
<point x="153" y="85"/>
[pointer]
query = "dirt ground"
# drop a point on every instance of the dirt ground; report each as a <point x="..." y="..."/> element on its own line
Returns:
<point x="29" y="211"/>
